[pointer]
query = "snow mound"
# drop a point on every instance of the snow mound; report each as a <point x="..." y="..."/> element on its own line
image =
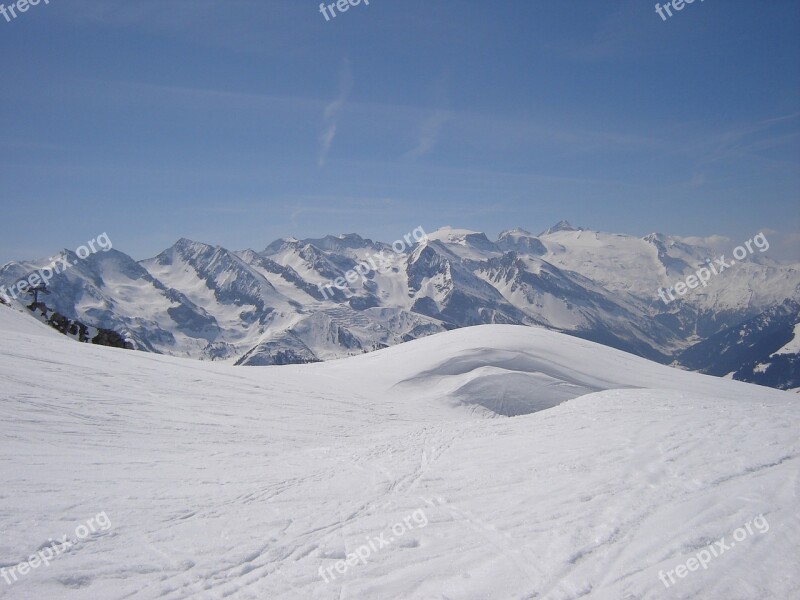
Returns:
<point x="510" y="370"/>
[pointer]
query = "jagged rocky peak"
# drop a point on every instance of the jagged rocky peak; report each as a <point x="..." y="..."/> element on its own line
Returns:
<point x="281" y="244"/>
<point x="184" y="248"/>
<point x="187" y="244"/>
<point x="329" y="243"/>
<point x="660" y="241"/>
<point x="562" y="225"/>
<point x="655" y="238"/>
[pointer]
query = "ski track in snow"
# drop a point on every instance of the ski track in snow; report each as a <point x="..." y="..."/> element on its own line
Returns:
<point x="225" y="482"/>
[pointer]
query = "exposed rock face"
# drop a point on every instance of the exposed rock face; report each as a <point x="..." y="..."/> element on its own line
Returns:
<point x="77" y="330"/>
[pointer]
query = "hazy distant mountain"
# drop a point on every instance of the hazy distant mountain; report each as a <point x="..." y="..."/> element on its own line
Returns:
<point x="764" y="349"/>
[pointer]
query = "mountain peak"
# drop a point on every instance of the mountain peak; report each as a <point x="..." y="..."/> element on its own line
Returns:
<point x="462" y="237"/>
<point x="454" y="232"/>
<point x="350" y="237"/>
<point x="516" y="232"/>
<point x="183" y="247"/>
<point x="562" y="225"/>
<point x="655" y="237"/>
<point x="519" y="240"/>
<point x="187" y="243"/>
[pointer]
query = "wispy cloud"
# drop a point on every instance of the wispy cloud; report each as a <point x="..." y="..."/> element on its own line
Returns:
<point x="429" y="134"/>
<point x="332" y="110"/>
<point x="326" y="141"/>
<point x="751" y="141"/>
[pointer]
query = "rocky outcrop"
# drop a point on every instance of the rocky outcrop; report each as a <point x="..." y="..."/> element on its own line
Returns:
<point x="77" y="330"/>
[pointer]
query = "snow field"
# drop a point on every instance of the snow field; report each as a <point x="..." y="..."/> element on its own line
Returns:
<point x="225" y="482"/>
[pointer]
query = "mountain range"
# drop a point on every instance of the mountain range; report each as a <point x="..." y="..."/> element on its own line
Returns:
<point x="273" y="307"/>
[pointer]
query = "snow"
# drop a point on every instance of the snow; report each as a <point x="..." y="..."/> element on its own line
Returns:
<point x="225" y="482"/>
<point x="793" y="345"/>
<point x="623" y="263"/>
<point x="465" y="243"/>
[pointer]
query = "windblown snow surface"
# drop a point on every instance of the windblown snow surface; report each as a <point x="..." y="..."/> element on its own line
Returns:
<point x="519" y="463"/>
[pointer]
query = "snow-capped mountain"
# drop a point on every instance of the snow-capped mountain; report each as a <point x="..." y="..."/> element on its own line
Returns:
<point x="279" y="305"/>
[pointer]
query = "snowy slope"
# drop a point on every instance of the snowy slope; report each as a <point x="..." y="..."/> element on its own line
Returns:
<point x="641" y="266"/>
<point x="222" y="482"/>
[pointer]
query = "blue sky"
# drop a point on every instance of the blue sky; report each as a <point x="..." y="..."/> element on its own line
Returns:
<point x="239" y="122"/>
